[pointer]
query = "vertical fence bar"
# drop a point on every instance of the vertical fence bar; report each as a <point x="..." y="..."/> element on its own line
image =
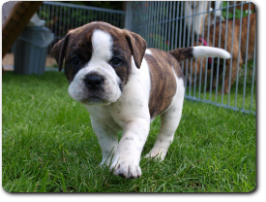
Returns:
<point x="201" y="57"/>
<point x="170" y="17"/>
<point x="173" y="28"/>
<point x="163" y="26"/>
<point x="63" y="27"/>
<point x="60" y="30"/>
<point x="190" y="14"/>
<point x="245" y="77"/>
<point x="115" y="19"/>
<point x="232" y="49"/>
<point x="196" y="59"/>
<point x="218" y="60"/>
<point x="57" y="22"/>
<point x="180" y="30"/>
<point x="110" y="18"/>
<point x="225" y="47"/>
<point x="50" y="26"/>
<point x="206" y="66"/>
<point x="239" y="50"/>
<point x="192" y="44"/>
<point x="141" y="21"/>
<point x="80" y="17"/>
<point x="69" y="19"/>
<point x="213" y="44"/>
<point x="88" y="16"/>
<point x="153" y="24"/>
<point x="157" y="24"/>
<point x="177" y="20"/>
<point x="253" y="71"/>
<point x="167" y="23"/>
<point x="146" y="21"/>
<point x="150" y="27"/>
<point x="118" y="19"/>
<point x="48" y="12"/>
<point x="53" y="21"/>
<point x="184" y="44"/>
<point x="148" y="14"/>
<point x="72" y="19"/>
<point x="160" y="26"/>
<point x="76" y="18"/>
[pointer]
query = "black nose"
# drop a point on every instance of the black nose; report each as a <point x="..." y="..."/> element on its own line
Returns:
<point x="93" y="81"/>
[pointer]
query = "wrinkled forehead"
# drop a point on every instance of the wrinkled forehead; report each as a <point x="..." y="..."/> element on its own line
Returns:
<point x="106" y="36"/>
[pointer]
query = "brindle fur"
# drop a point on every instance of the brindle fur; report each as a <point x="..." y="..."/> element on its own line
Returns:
<point x="163" y="83"/>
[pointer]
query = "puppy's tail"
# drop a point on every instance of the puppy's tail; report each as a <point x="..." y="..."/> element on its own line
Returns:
<point x="199" y="51"/>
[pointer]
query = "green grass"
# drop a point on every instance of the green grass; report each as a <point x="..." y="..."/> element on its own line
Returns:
<point x="49" y="145"/>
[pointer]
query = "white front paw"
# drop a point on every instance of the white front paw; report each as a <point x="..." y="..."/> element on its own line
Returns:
<point x="126" y="170"/>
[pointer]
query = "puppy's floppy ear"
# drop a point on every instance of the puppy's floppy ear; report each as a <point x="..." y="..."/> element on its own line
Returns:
<point x="137" y="46"/>
<point x="58" y="51"/>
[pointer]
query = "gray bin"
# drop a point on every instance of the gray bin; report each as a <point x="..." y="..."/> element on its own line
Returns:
<point x="30" y="50"/>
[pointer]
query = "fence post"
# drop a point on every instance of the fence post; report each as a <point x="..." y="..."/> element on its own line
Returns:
<point x="128" y="15"/>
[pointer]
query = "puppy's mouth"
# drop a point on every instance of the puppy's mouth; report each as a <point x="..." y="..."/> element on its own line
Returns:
<point x="94" y="100"/>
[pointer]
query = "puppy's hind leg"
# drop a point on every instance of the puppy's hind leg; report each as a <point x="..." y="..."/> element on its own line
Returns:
<point x="169" y="123"/>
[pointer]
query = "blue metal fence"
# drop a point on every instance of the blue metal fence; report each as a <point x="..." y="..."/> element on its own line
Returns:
<point x="169" y="25"/>
<point x="62" y="17"/>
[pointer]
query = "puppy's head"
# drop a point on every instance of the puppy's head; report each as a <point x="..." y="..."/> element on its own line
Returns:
<point x="98" y="61"/>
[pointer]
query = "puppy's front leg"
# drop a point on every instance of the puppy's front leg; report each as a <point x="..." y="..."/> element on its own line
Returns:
<point x="108" y="140"/>
<point x="127" y="157"/>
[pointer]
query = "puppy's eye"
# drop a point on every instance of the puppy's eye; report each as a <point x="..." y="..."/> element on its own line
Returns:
<point x="116" y="62"/>
<point x="76" y="61"/>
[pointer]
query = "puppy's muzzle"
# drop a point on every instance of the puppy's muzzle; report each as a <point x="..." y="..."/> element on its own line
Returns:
<point x="93" y="81"/>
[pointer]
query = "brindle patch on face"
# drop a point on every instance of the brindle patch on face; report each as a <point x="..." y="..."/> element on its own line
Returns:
<point x="163" y="82"/>
<point x="79" y="45"/>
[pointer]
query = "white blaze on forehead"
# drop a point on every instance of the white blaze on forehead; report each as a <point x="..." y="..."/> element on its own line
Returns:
<point x="102" y="43"/>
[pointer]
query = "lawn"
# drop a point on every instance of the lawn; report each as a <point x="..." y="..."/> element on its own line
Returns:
<point x="49" y="145"/>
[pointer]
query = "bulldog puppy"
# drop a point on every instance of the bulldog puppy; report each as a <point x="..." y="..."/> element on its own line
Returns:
<point x="124" y="86"/>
